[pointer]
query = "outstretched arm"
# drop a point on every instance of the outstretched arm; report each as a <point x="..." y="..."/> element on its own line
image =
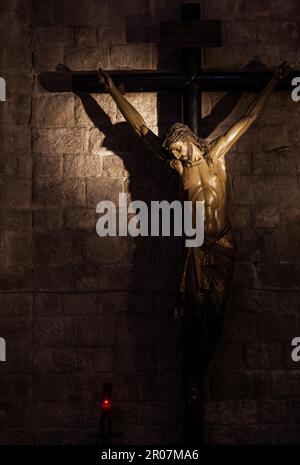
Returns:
<point x="128" y="111"/>
<point x="224" y="143"/>
<point x="136" y="120"/>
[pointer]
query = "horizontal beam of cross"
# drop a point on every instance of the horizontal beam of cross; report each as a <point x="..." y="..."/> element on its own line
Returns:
<point x="85" y="82"/>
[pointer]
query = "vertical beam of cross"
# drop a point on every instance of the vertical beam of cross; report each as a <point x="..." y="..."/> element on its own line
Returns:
<point x="191" y="63"/>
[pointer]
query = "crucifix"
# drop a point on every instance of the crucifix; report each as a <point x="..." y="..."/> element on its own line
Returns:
<point x="200" y="167"/>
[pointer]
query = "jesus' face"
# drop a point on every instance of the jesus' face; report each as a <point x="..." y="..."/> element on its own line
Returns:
<point x="182" y="150"/>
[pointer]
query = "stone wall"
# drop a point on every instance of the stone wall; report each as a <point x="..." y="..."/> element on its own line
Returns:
<point x="77" y="310"/>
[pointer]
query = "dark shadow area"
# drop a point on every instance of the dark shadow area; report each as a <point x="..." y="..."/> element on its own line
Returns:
<point x="155" y="273"/>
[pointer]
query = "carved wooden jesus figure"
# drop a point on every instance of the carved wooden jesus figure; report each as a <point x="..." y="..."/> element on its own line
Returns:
<point x="208" y="269"/>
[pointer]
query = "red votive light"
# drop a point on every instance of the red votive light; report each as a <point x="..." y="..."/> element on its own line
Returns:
<point x="106" y="404"/>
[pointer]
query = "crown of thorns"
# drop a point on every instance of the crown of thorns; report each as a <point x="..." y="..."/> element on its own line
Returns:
<point x="179" y="131"/>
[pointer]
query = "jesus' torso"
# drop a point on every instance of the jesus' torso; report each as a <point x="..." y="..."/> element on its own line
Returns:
<point x="207" y="182"/>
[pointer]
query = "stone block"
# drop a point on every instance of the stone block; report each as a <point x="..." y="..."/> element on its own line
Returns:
<point x="86" y="13"/>
<point x="42" y="360"/>
<point x="278" y="190"/>
<point x="267" y="138"/>
<point x="94" y="330"/>
<point x="18" y="193"/>
<point x="18" y="248"/>
<point x="55" y="250"/>
<point x="239" y="163"/>
<point x="231" y="412"/>
<point x="16" y="33"/>
<point x="17" y="57"/>
<point x="277" y="327"/>
<point x="46" y="57"/>
<point x="285" y="384"/>
<point x="97" y="110"/>
<point x="18" y="220"/>
<point x="17" y="139"/>
<point x="244" y="329"/>
<point x="277" y="162"/>
<point x="47" y="192"/>
<point x="87" y="58"/>
<point x="96" y="141"/>
<point x="273" y="412"/>
<point x="285" y="435"/>
<point x="46" y="304"/>
<point x="86" y="166"/>
<point x="59" y="388"/>
<point x="229" y="57"/>
<point x="85" y="36"/>
<point x="16" y="110"/>
<point x="262" y="8"/>
<point x="73" y="140"/>
<point x="16" y="305"/>
<point x="254" y="435"/>
<point x="239" y="32"/>
<point x="81" y="304"/>
<point x="74" y="193"/>
<point x="94" y="361"/>
<point x="51" y="331"/>
<point x="98" y="190"/>
<point x="114" y="140"/>
<point x="131" y="57"/>
<point x="111" y="35"/>
<point x="47" y="220"/>
<point x="276" y="245"/>
<point x="228" y="357"/>
<point x="115" y="167"/>
<point x="80" y="219"/>
<point x="257" y="356"/>
<point x="65" y="360"/>
<point x="53" y="111"/>
<point x="245" y="275"/>
<point x="139" y="329"/>
<point x="105" y="250"/>
<point x="291" y="216"/>
<point x="220" y="435"/>
<point x="281" y="275"/>
<point x="91" y="278"/>
<point x="54" y="35"/>
<point x="240" y="217"/>
<point x="45" y="166"/>
<point x="15" y="278"/>
<point x="18" y="82"/>
<point x="276" y="31"/>
<point x="42" y="13"/>
<point x="229" y="9"/>
<point x="268" y="217"/>
<point x="59" y="278"/>
<point x="17" y="165"/>
<point x="137" y="434"/>
<point x="120" y="301"/>
<point x="234" y="385"/>
<point x="158" y="413"/>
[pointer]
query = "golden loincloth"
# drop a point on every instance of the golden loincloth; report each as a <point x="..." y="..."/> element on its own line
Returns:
<point x="213" y="263"/>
